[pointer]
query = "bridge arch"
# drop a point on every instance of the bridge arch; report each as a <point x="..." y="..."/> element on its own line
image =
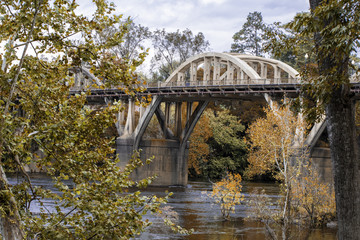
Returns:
<point x="239" y="68"/>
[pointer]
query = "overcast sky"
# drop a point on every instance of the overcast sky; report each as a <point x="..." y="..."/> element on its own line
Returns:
<point x="218" y="20"/>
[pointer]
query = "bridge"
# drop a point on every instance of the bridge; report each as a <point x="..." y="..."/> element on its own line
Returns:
<point x="186" y="93"/>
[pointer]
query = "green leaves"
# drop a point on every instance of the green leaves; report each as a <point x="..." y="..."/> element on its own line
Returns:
<point x="57" y="131"/>
<point x="336" y="24"/>
<point x="217" y="145"/>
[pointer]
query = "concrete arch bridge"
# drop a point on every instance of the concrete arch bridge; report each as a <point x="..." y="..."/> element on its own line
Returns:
<point x="202" y="78"/>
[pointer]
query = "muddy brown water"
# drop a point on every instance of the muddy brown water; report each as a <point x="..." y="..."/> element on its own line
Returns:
<point x="195" y="210"/>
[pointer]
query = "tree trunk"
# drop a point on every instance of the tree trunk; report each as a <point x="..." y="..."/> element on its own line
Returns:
<point x="10" y="225"/>
<point x="340" y="117"/>
<point x="340" y="113"/>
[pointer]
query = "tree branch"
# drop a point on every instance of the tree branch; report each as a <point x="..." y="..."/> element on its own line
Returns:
<point x="13" y="83"/>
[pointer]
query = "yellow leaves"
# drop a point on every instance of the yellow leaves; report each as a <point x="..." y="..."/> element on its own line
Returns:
<point x="69" y="135"/>
<point x="312" y="198"/>
<point x="199" y="149"/>
<point x="272" y="139"/>
<point x="304" y="196"/>
<point x="227" y="193"/>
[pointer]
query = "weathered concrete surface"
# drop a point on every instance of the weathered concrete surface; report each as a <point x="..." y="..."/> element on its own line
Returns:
<point x="168" y="165"/>
<point x="322" y="159"/>
<point x="124" y="150"/>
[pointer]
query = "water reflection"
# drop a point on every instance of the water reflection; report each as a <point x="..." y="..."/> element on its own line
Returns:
<point x="197" y="211"/>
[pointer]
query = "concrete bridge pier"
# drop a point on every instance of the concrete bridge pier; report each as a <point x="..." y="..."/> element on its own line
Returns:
<point x="170" y="153"/>
<point x="169" y="162"/>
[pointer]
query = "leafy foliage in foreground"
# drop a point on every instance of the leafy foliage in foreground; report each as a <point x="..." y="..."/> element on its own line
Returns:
<point x="334" y="26"/>
<point x="40" y="122"/>
<point x="271" y="140"/>
<point x="313" y="199"/>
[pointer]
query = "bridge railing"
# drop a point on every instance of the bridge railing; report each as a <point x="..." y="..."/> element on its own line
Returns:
<point x="224" y="82"/>
<point x="205" y="83"/>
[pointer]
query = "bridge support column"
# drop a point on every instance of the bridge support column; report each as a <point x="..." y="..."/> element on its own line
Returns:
<point x="120" y="117"/>
<point x="207" y="70"/>
<point x="142" y="110"/>
<point x="230" y="73"/>
<point x="277" y="74"/>
<point x="178" y="126"/>
<point x="180" y="79"/>
<point x="124" y="150"/>
<point x="130" y="120"/>
<point x="193" y="73"/>
<point x="217" y="68"/>
<point x="167" y="165"/>
<point x="188" y="110"/>
<point x="263" y="74"/>
<point x="167" y="113"/>
<point x="170" y="154"/>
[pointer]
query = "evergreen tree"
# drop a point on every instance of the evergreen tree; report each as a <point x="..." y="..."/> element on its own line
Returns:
<point x="250" y="38"/>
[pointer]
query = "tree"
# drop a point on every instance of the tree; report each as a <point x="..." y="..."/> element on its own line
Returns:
<point x="334" y="26"/>
<point x="224" y="149"/>
<point x="38" y="114"/>
<point x="272" y="150"/>
<point x="227" y="193"/>
<point x="271" y="139"/>
<point x="279" y="45"/>
<point x="250" y="38"/>
<point x="312" y="199"/>
<point x="228" y="147"/>
<point x="133" y="36"/>
<point x="173" y="48"/>
<point x="199" y="150"/>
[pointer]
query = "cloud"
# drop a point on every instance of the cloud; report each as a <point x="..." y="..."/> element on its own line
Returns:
<point x="218" y="20"/>
<point x="206" y="2"/>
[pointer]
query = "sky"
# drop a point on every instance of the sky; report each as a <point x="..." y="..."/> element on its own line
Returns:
<point x="218" y="20"/>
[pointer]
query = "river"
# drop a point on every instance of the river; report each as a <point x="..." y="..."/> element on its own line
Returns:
<point x="195" y="210"/>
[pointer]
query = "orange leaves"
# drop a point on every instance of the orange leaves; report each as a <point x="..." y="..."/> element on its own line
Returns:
<point x="227" y="193"/>
<point x="199" y="149"/>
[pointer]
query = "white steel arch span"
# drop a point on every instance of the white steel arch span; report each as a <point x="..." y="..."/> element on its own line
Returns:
<point x="231" y="68"/>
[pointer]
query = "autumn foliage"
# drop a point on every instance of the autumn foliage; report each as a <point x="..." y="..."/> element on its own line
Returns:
<point x="217" y="145"/>
<point x="227" y="193"/>
<point x="277" y="147"/>
<point x="271" y="141"/>
<point x="200" y="149"/>
<point x="313" y="200"/>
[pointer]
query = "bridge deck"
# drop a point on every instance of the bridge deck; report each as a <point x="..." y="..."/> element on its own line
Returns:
<point x="210" y="91"/>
